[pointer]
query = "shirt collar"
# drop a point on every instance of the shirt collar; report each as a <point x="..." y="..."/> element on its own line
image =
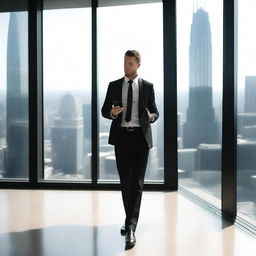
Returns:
<point x="135" y="80"/>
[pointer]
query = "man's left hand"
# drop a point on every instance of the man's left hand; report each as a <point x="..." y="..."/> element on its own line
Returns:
<point x="150" y="116"/>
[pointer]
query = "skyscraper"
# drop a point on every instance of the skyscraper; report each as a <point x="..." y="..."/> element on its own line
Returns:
<point x="209" y="157"/>
<point x="200" y="126"/>
<point x="246" y="121"/>
<point x="250" y="94"/>
<point x="17" y="97"/>
<point x="67" y="136"/>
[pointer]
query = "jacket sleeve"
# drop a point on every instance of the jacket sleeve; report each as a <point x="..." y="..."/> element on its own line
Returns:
<point x="152" y="105"/>
<point x="107" y="105"/>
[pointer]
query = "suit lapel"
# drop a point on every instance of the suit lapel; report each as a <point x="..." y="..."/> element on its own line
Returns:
<point x="140" y="93"/>
<point x="120" y="86"/>
<point x="119" y="95"/>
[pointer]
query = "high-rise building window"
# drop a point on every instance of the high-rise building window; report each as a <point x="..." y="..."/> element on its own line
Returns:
<point x="14" y="126"/>
<point x="199" y="55"/>
<point x="121" y="28"/>
<point x="246" y="112"/>
<point x="67" y="92"/>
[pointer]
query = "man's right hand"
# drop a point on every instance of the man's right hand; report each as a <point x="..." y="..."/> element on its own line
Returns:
<point x="116" y="110"/>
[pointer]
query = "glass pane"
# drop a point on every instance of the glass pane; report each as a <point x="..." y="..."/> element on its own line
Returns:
<point x="67" y="94"/>
<point x="123" y="28"/>
<point x="246" y="116"/>
<point x="199" y="49"/>
<point x="14" y="126"/>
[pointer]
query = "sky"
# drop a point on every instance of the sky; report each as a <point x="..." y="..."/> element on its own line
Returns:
<point x="246" y="40"/>
<point x="67" y="49"/>
<point x="67" y="43"/>
<point x="135" y="27"/>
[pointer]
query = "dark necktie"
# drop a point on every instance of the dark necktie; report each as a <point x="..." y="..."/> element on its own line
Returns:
<point x="129" y="103"/>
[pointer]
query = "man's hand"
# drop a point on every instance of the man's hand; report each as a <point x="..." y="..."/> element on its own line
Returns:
<point x="116" y="110"/>
<point x="150" y="116"/>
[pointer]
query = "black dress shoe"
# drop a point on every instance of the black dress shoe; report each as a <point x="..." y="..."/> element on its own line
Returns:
<point x="130" y="239"/>
<point x="123" y="230"/>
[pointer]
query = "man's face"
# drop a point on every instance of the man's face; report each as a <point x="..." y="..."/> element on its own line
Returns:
<point x="130" y="65"/>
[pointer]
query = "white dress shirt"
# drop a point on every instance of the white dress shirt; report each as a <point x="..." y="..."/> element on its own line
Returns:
<point x="134" y="122"/>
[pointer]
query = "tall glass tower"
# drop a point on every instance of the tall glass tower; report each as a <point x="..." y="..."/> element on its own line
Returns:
<point x="17" y="97"/>
<point x="200" y="126"/>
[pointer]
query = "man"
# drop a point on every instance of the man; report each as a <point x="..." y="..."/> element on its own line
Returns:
<point x="130" y="103"/>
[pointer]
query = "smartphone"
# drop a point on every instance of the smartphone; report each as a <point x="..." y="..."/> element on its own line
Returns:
<point x="115" y="103"/>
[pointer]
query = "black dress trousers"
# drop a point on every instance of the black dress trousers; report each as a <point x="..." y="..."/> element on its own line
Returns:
<point x="131" y="152"/>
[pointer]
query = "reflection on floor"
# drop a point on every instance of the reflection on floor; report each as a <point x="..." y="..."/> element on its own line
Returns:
<point x="210" y="191"/>
<point x="49" y="223"/>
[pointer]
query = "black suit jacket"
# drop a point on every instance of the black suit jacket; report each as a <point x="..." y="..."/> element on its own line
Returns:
<point x="146" y="100"/>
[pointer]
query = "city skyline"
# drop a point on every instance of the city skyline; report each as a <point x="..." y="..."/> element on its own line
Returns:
<point x="67" y="70"/>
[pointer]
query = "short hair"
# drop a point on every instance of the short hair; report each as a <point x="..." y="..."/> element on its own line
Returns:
<point x="134" y="53"/>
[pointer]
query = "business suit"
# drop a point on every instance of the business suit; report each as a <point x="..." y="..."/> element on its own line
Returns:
<point x="131" y="147"/>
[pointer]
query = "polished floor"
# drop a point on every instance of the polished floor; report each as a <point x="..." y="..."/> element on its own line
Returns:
<point x="74" y="223"/>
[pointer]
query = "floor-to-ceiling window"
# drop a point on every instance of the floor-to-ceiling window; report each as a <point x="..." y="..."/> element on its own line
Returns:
<point x="199" y="85"/>
<point x="67" y="90"/>
<point x="14" y="125"/>
<point x="121" y="28"/>
<point x="246" y="111"/>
